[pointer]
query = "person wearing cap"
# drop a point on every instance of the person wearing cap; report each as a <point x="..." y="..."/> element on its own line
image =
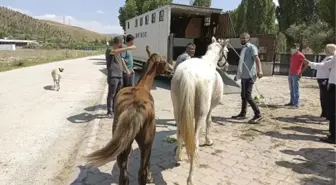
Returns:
<point x="189" y="52"/>
<point x="115" y="66"/>
<point x="128" y="80"/>
<point x="249" y="69"/>
<point x="329" y="64"/>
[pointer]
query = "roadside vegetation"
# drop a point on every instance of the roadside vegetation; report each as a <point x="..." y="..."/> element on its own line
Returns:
<point x="28" y="57"/>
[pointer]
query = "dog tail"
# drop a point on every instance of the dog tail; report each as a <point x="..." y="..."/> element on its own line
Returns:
<point x="129" y="124"/>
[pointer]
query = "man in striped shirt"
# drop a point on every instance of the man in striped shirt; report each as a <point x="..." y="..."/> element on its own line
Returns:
<point x="190" y="52"/>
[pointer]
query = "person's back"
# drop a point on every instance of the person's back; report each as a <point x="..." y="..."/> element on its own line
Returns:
<point x="113" y="63"/>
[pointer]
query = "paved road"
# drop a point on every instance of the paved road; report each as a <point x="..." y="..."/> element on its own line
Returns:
<point x="41" y="129"/>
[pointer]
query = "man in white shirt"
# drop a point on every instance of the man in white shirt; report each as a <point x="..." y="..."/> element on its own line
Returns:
<point x="330" y="64"/>
<point x="322" y="76"/>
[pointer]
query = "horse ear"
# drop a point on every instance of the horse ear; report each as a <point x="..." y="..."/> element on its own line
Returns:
<point x="213" y="39"/>
<point x="149" y="53"/>
<point x="227" y="41"/>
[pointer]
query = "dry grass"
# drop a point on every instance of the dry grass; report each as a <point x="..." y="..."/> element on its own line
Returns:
<point x="28" y="57"/>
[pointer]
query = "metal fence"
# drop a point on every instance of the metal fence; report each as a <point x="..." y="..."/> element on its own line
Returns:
<point x="281" y="64"/>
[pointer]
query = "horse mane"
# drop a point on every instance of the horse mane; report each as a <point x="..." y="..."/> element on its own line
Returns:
<point x="145" y="68"/>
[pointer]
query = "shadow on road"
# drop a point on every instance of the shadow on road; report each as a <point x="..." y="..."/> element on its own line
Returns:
<point x="319" y="162"/>
<point x="48" y="88"/>
<point x="99" y="63"/>
<point x="308" y="119"/>
<point x="85" y="117"/>
<point x="98" y="59"/>
<point x="162" y="158"/>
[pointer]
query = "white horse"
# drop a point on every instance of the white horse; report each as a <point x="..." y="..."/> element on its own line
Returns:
<point x="196" y="89"/>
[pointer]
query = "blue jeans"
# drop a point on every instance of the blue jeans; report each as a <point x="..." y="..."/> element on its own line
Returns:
<point x="293" y="81"/>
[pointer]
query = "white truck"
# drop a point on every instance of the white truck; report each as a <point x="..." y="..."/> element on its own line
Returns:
<point x="168" y="29"/>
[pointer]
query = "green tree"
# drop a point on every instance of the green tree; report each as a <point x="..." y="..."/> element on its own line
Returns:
<point x="291" y="12"/>
<point x="260" y="17"/>
<point x="133" y="8"/>
<point x="202" y="3"/>
<point x="239" y="16"/>
<point x="313" y="35"/>
<point x="326" y="10"/>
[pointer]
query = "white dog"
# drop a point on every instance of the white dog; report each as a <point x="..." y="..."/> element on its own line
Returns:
<point x="56" y="75"/>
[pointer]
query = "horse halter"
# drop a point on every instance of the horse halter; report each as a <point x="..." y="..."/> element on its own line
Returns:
<point x="222" y="55"/>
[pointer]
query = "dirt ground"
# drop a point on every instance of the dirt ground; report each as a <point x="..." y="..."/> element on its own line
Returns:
<point x="282" y="150"/>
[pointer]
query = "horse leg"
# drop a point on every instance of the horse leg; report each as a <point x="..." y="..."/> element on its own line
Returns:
<point x="191" y="173"/>
<point x="122" y="161"/>
<point x="145" y="145"/>
<point x="54" y="85"/>
<point x="208" y="141"/>
<point x="200" y="121"/>
<point x="178" y="149"/>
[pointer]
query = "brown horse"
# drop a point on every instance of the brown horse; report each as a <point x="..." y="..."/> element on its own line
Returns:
<point x="134" y="119"/>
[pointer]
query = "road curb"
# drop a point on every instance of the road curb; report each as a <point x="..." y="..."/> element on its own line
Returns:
<point x="87" y="144"/>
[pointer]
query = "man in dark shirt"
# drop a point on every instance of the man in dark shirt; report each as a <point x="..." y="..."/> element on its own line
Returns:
<point x="115" y="66"/>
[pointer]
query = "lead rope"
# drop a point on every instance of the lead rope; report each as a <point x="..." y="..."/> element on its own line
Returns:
<point x="256" y="87"/>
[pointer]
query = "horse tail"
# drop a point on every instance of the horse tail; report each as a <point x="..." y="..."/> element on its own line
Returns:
<point x="129" y="124"/>
<point x="186" y="107"/>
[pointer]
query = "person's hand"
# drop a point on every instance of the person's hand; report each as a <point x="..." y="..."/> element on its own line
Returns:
<point x="133" y="47"/>
<point x="235" y="78"/>
<point x="132" y="72"/>
<point x="306" y="61"/>
<point x="260" y="74"/>
<point x="300" y="75"/>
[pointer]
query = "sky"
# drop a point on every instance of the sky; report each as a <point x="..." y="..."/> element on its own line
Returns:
<point x="97" y="15"/>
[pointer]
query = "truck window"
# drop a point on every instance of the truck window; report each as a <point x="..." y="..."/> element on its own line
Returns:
<point x="136" y="22"/>
<point x="161" y="15"/>
<point x="128" y="25"/>
<point x="146" y="19"/>
<point x="153" y="17"/>
<point x="141" y="21"/>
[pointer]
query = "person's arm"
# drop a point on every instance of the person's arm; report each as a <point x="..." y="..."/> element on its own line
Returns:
<point x="120" y="50"/>
<point x="304" y="65"/>
<point x="123" y="63"/>
<point x="323" y="65"/>
<point x="257" y="60"/>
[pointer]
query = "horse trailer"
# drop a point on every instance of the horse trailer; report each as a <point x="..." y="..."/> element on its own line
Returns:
<point x="168" y="29"/>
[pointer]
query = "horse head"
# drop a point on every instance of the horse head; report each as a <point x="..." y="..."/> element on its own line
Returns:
<point x="162" y="66"/>
<point x="220" y="47"/>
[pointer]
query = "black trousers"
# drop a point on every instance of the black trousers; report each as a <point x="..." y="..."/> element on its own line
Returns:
<point x="331" y="109"/>
<point x="323" y="85"/>
<point x="246" y="96"/>
<point x="128" y="80"/>
<point x="114" y="86"/>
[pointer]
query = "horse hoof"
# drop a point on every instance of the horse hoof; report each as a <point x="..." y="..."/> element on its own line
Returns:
<point x="150" y="179"/>
<point x="190" y="182"/>
<point x="175" y="149"/>
<point x="209" y="143"/>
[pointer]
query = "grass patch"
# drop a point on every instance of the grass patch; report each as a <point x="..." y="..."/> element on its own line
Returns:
<point x="29" y="57"/>
<point x="171" y="139"/>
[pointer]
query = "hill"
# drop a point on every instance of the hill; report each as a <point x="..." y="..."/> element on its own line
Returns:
<point x="15" y="25"/>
